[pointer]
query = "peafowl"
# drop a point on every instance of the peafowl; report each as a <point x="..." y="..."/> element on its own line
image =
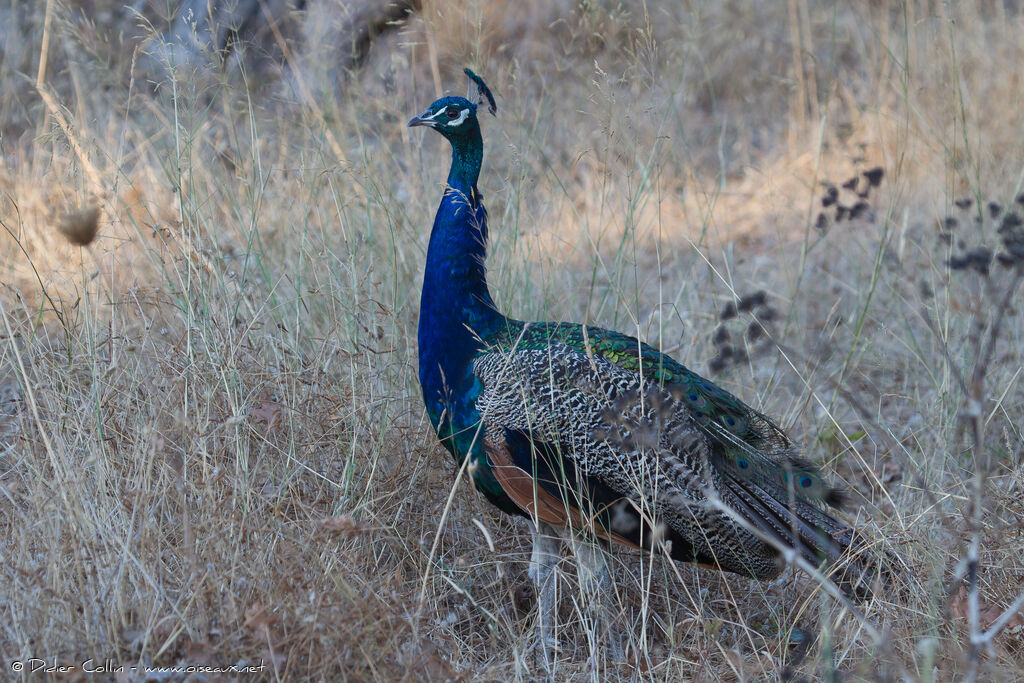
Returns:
<point x="592" y="433"/>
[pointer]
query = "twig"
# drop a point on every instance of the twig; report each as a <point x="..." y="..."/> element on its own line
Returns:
<point x="44" y="44"/>
<point x="982" y="347"/>
<point x="1002" y="306"/>
<point x="953" y="367"/>
<point x="1000" y="623"/>
<point x="793" y="558"/>
<point x="52" y="106"/>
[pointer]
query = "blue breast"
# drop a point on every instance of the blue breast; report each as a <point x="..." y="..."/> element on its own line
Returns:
<point x="456" y="315"/>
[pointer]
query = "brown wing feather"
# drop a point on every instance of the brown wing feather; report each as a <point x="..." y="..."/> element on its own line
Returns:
<point x="538" y="503"/>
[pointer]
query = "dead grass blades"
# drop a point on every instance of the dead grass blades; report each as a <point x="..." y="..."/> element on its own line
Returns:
<point x="212" y="448"/>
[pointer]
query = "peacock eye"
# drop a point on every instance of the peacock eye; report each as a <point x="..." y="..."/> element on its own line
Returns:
<point x="452" y="113"/>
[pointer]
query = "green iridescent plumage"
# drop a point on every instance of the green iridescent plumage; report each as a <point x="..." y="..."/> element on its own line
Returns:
<point x="749" y="443"/>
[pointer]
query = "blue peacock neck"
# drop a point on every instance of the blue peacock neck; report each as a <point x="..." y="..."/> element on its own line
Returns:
<point x="456" y="309"/>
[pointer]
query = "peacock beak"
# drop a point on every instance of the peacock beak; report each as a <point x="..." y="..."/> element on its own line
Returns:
<point x="423" y="119"/>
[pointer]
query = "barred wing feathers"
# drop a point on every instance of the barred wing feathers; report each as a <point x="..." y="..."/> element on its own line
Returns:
<point x="628" y="444"/>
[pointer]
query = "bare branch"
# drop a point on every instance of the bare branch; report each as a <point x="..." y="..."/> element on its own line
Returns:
<point x="1000" y="623"/>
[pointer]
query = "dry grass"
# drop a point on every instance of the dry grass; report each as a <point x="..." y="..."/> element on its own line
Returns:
<point x="213" y="450"/>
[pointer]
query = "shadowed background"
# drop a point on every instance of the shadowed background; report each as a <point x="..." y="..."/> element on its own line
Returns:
<point x="212" y="446"/>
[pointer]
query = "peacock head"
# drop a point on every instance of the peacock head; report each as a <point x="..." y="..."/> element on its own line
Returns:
<point x="455" y="117"/>
<point x="449" y="116"/>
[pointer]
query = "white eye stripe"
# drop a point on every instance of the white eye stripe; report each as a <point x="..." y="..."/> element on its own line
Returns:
<point x="458" y="121"/>
<point x="434" y="115"/>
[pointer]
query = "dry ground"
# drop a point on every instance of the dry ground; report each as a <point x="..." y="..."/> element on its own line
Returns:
<point x="212" y="449"/>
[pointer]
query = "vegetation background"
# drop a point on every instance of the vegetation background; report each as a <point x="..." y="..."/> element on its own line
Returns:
<point x="212" y="446"/>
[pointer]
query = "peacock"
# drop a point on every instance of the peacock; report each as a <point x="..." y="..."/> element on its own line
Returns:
<point x="590" y="433"/>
